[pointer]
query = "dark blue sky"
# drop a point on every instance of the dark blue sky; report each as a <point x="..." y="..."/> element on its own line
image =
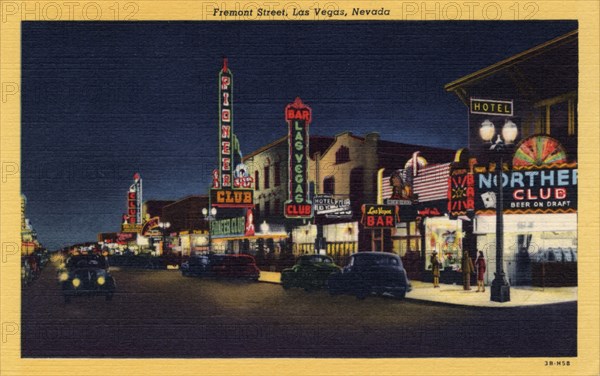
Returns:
<point x="102" y="101"/>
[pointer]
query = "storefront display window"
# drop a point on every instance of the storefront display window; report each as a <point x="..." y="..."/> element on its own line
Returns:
<point x="444" y="236"/>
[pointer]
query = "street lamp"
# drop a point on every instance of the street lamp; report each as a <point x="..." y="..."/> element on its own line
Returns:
<point x="164" y="227"/>
<point x="209" y="216"/>
<point x="500" y="289"/>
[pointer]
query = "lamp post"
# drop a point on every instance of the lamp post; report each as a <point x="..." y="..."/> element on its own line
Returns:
<point x="209" y="216"/>
<point x="500" y="289"/>
<point x="164" y="227"/>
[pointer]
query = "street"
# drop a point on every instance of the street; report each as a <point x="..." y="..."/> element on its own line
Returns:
<point x="159" y="313"/>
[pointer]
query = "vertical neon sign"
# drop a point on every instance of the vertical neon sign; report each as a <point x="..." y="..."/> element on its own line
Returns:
<point x="298" y="116"/>
<point x="134" y="201"/>
<point x="225" y="125"/>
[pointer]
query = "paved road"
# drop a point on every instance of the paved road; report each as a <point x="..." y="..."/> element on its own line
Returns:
<point x="161" y="314"/>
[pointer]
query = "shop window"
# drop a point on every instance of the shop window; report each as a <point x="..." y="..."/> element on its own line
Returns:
<point x="267" y="177"/>
<point x="256" y="181"/>
<point x="329" y="185"/>
<point x="277" y="174"/>
<point x="406" y="238"/>
<point x="342" y="155"/>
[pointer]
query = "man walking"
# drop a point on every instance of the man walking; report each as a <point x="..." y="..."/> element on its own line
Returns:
<point x="467" y="269"/>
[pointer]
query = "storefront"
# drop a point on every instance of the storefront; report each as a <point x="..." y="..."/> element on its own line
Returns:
<point x="340" y="240"/>
<point x="539" y="249"/>
<point x="444" y="236"/>
<point x="420" y="190"/>
<point x="539" y="221"/>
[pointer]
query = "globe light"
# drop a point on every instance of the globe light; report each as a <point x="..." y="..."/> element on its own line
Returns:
<point x="213" y="211"/>
<point x="509" y="131"/>
<point x="204" y="211"/>
<point x="487" y="130"/>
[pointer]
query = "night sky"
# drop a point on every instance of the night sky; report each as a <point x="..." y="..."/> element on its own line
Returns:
<point x="101" y="101"/>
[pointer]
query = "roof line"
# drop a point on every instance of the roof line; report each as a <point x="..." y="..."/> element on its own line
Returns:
<point x="482" y="73"/>
<point x="266" y="147"/>
<point x="186" y="198"/>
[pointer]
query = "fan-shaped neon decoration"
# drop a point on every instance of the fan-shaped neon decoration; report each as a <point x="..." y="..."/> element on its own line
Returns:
<point x="539" y="150"/>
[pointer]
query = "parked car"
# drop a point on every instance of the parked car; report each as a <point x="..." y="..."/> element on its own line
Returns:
<point x="371" y="272"/>
<point x="310" y="272"/>
<point x="221" y="266"/>
<point x="87" y="275"/>
<point x="196" y="265"/>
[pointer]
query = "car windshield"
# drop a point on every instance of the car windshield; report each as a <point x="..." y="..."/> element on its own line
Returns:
<point x="373" y="260"/>
<point x="87" y="262"/>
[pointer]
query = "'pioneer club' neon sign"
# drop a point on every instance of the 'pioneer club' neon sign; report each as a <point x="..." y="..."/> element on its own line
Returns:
<point x="230" y="189"/>
<point x="298" y="116"/>
<point x="225" y="126"/>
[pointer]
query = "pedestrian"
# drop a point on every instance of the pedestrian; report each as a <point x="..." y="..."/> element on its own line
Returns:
<point x="467" y="269"/>
<point x="480" y="265"/>
<point x="435" y="269"/>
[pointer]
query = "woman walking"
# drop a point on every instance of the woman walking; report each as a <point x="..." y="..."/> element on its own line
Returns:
<point x="480" y="265"/>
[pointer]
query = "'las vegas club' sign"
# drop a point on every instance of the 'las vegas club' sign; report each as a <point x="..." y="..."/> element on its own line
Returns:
<point x="298" y="116"/>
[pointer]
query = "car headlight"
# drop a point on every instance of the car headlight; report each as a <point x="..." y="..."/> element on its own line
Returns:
<point x="63" y="276"/>
<point x="101" y="280"/>
<point x="62" y="265"/>
<point x="76" y="282"/>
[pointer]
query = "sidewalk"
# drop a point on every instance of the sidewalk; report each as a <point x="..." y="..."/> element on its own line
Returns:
<point x="455" y="295"/>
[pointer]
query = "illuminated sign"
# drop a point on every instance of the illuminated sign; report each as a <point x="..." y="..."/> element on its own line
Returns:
<point x="241" y="177"/>
<point x="225" y="126"/>
<point x="429" y="212"/>
<point x="249" y="230"/>
<point x="230" y="189"/>
<point x="529" y="190"/>
<point x="229" y="226"/>
<point x="298" y="117"/>
<point x="150" y="224"/>
<point x="332" y="207"/>
<point x="379" y="216"/>
<point x="232" y="198"/>
<point x="126" y="237"/>
<point x="131" y="227"/>
<point x="134" y="202"/>
<point x="461" y="192"/>
<point x="491" y="107"/>
<point x="23" y="203"/>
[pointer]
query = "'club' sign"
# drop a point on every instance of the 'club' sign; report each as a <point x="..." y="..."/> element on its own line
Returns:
<point x="298" y="116"/>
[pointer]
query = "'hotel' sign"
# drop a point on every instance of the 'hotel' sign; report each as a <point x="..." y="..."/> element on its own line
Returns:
<point x="491" y="107"/>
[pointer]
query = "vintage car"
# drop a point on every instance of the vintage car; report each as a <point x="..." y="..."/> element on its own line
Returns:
<point x="87" y="275"/>
<point x="310" y="272"/>
<point x="371" y="272"/>
<point x="222" y="266"/>
<point x="196" y="265"/>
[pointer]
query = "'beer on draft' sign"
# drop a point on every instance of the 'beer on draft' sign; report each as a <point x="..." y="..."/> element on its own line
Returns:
<point x="298" y="116"/>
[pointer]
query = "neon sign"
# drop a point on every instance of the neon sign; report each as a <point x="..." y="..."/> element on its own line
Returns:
<point x="461" y="192"/>
<point x="379" y="216"/>
<point x="298" y="116"/>
<point x="225" y="126"/>
<point x="134" y="201"/>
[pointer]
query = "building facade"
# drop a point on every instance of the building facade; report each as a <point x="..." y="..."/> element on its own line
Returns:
<point x="537" y="92"/>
